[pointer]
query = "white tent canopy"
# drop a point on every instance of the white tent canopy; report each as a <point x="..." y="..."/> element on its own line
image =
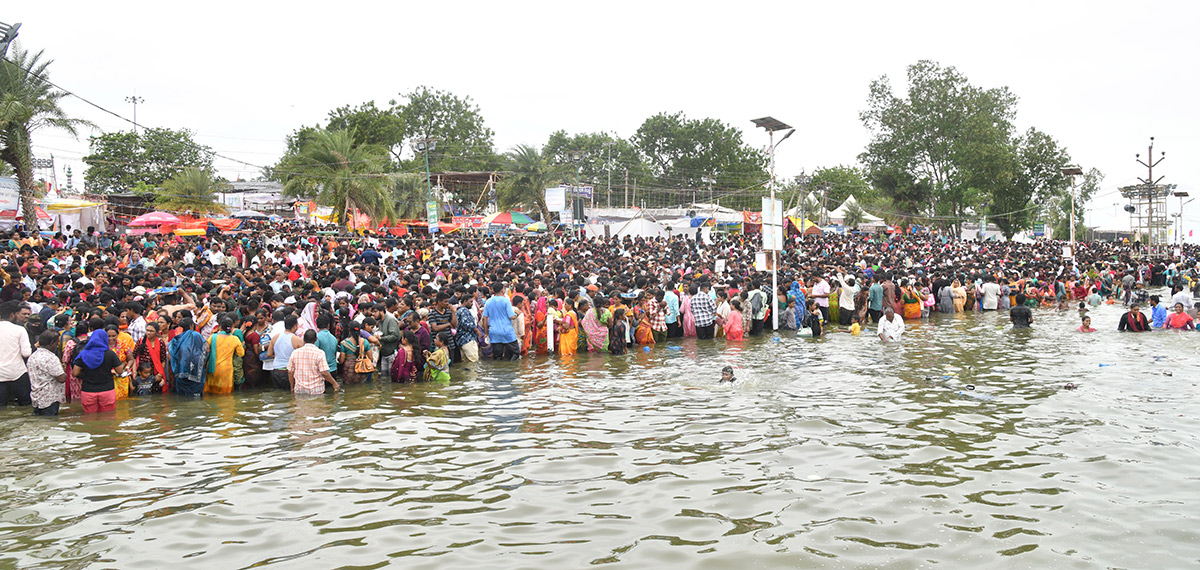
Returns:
<point x="839" y="215"/>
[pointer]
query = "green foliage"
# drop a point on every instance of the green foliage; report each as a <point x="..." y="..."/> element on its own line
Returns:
<point x="371" y="126"/>
<point x="191" y="190"/>
<point x="463" y="141"/>
<point x="409" y="194"/>
<point x="532" y="173"/>
<point x="28" y="103"/>
<point x="683" y="153"/>
<point x="120" y="161"/>
<point x="842" y="181"/>
<point x="601" y="152"/>
<point x="337" y="172"/>
<point x="1037" y="179"/>
<point x="945" y="134"/>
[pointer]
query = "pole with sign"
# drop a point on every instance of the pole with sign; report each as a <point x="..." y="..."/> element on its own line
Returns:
<point x="431" y="209"/>
<point x="772" y="235"/>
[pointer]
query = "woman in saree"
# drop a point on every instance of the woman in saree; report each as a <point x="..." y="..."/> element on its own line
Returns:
<point x="912" y="302"/>
<point x="153" y="349"/>
<point x="437" y="363"/>
<point x="597" y="334"/>
<point x="70" y="349"/>
<point x="960" y="295"/>
<point x="349" y="351"/>
<point x="616" y="344"/>
<point x="643" y="334"/>
<point x="121" y="343"/>
<point x="223" y="346"/>
<point x="527" y="341"/>
<point x="685" y="311"/>
<point x="567" y="329"/>
<point x="540" y="319"/>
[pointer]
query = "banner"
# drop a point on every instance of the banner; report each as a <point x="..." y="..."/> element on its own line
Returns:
<point x="751" y="217"/>
<point x="556" y="199"/>
<point x="469" y="222"/>
<point x="431" y="208"/>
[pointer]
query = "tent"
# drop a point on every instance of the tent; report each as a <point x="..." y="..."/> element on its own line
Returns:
<point x="75" y="213"/>
<point x="809" y="227"/>
<point x="838" y="216"/>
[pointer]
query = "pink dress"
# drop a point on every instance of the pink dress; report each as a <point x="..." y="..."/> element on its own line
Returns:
<point x="689" y="321"/>
<point x="733" y="325"/>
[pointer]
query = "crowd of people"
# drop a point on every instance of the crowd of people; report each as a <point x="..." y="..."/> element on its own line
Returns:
<point x="90" y="318"/>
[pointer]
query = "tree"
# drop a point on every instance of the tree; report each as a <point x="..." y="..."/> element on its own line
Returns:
<point x="854" y="216"/>
<point x="29" y="103"/>
<point x="371" y="125"/>
<point x="842" y="181"/>
<point x="191" y="190"/>
<point x="619" y="155"/>
<point x="685" y="153"/>
<point x="339" y="173"/>
<point x="409" y="195"/>
<point x="531" y="174"/>
<point x="122" y="160"/>
<point x="945" y="133"/>
<point x="1037" y="179"/>
<point x="463" y="141"/>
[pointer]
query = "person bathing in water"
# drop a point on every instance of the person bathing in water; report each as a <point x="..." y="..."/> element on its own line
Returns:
<point x="727" y="375"/>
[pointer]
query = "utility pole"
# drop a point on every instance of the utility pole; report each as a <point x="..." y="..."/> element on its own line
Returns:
<point x="608" y="167"/>
<point x="135" y="100"/>
<point x="626" y="187"/>
<point x="1072" y="171"/>
<point x="1151" y="184"/>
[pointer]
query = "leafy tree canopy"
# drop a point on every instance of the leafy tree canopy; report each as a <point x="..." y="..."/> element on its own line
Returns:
<point x="686" y="153"/>
<point x="464" y="142"/>
<point x="191" y="190"/>
<point x="122" y="160"/>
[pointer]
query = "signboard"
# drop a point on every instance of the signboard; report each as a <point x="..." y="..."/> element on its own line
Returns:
<point x="235" y="201"/>
<point x="579" y="191"/>
<point x="10" y="197"/>
<point x="566" y="217"/>
<point x="772" y="229"/>
<point x="760" y="261"/>
<point x="556" y="199"/>
<point x="469" y="222"/>
<point x="719" y="266"/>
<point x="1067" y="252"/>
<point x="431" y="208"/>
<point x="1039" y="229"/>
<point x="772" y="211"/>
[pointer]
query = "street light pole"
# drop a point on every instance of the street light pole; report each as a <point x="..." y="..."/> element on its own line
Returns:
<point x="771" y="125"/>
<point x="1072" y="171"/>
<point x="577" y="158"/>
<point x="608" y="167"/>
<point x="135" y="100"/>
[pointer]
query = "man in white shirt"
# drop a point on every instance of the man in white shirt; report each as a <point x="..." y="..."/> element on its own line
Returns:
<point x="846" y="294"/>
<point x="820" y="292"/>
<point x="14" y="349"/>
<point x="1182" y="296"/>
<point x="991" y="293"/>
<point x="891" y="326"/>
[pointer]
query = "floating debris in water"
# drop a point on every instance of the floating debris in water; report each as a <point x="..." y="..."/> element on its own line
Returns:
<point x="1070" y="386"/>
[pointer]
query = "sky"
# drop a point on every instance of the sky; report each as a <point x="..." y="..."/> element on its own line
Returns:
<point x="1101" y="77"/>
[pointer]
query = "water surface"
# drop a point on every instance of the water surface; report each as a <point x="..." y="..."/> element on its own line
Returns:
<point x="840" y="452"/>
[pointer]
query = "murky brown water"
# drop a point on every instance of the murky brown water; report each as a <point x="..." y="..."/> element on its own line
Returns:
<point x="838" y="453"/>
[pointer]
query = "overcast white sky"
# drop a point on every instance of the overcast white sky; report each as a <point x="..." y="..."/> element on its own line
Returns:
<point x="1101" y="77"/>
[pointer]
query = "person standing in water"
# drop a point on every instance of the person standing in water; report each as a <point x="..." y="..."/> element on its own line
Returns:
<point x="1020" y="316"/>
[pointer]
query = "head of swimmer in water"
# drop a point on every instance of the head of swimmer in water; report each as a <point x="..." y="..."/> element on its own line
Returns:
<point x="727" y="374"/>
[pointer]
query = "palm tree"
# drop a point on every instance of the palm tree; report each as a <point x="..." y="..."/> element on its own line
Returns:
<point x="28" y="103"/>
<point x="339" y="173"/>
<point x="192" y="190"/>
<point x="532" y="174"/>
<point x="409" y="193"/>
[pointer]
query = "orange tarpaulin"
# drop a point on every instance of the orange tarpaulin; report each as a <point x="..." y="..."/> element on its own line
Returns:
<point x="225" y="225"/>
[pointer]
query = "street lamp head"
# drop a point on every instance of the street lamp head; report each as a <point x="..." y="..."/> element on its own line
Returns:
<point x="771" y="124"/>
<point x="1072" y="171"/>
<point x="575" y="155"/>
